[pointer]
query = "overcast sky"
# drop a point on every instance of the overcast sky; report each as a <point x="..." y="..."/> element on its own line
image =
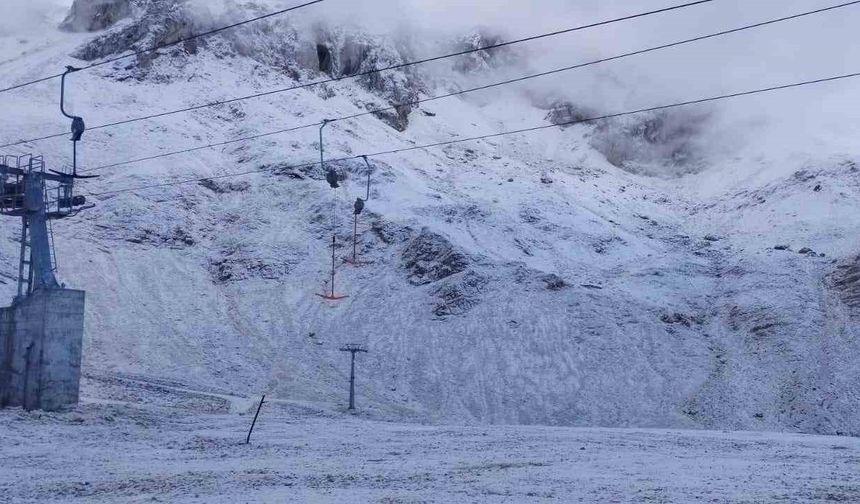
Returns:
<point x="821" y="117"/>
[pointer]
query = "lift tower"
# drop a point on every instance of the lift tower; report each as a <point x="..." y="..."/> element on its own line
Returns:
<point x="29" y="192"/>
<point x="41" y="333"/>
<point x="352" y="349"/>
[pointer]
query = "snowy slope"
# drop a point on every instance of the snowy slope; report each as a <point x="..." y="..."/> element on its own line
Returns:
<point x="154" y="441"/>
<point x="522" y="279"/>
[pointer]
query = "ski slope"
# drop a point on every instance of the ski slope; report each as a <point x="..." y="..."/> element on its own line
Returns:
<point x="518" y="280"/>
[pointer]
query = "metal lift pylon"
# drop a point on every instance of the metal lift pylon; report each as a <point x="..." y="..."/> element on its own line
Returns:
<point x="42" y="334"/>
<point x="36" y="196"/>
<point x="353" y="349"/>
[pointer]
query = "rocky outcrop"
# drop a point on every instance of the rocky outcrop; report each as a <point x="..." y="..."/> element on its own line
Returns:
<point x="662" y="143"/>
<point x="234" y="265"/>
<point x="95" y="15"/>
<point x="458" y="296"/>
<point x="157" y="22"/>
<point x="565" y="112"/>
<point x="224" y="187"/>
<point x="483" y="60"/>
<point x="341" y="54"/>
<point x="846" y="282"/>
<point x="431" y="257"/>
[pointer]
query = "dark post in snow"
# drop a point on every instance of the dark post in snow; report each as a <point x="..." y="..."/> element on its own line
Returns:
<point x="333" y="248"/>
<point x="352" y="349"/>
<point x="254" y="422"/>
<point x="359" y="206"/>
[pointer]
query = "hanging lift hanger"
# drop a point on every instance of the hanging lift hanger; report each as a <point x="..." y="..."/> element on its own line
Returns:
<point x="329" y="292"/>
<point x="78" y="128"/>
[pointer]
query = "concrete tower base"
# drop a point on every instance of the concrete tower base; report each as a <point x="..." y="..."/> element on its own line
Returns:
<point x="40" y="350"/>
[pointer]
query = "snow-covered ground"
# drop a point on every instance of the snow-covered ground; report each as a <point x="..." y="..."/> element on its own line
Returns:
<point x="134" y="440"/>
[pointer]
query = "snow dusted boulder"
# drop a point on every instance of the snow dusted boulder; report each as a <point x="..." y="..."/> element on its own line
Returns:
<point x="95" y="15"/>
<point x="460" y="295"/>
<point x="237" y="264"/>
<point x="565" y="112"/>
<point x="431" y="257"/>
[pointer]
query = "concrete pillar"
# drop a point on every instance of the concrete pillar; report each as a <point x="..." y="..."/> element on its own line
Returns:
<point x="40" y="350"/>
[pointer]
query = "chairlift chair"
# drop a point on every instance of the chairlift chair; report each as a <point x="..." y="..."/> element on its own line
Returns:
<point x="78" y="128"/>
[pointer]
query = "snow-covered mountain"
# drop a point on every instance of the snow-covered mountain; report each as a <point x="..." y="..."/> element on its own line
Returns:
<point x="614" y="274"/>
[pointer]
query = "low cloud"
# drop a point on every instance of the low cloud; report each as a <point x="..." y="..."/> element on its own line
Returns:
<point x="29" y="17"/>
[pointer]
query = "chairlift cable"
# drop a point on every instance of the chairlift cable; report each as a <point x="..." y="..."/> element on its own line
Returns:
<point x="505" y="133"/>
<point x="372" y="71"/>
<point x="164" y="45"/>
<point x="479" y="88"/>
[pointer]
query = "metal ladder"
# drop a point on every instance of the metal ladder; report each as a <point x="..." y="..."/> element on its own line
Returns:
<point x="25" y="260"/>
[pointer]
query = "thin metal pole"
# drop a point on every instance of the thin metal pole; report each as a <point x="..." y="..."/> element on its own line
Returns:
<point x="352" y="382"/>
<point x="369" y="169"/>
<point x="322" y="159"/>
<point x="333" y="244"/>
<point x="354" y="239"/>
<point x="248" y="439"/>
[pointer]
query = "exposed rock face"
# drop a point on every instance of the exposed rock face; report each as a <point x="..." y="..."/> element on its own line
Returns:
<point x="173" y="237"/>
<point x="431" y="257"/>
<point x="460" y="296"/>
<point x="234" y="267"/>
<point x="661" y="140"/>
<point x="553" y="282"/>
<point x="275" y="43"/>
<point x="564" y="112"/>
<point x="846" y="281"/>
<point x="222" y="187"/>
<point x="341" y="54"/>
<point x="483" y="60"/>
<point x="95" y="15"/>
<point x="159" y="22"/>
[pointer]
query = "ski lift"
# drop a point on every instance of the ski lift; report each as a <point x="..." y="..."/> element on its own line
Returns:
<point x="358" y="207"/>
<point x="78" y="128"/>
<point x="369" y="171"/>
<point x="328" y="292"/>
<point x="331" y="174"/>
